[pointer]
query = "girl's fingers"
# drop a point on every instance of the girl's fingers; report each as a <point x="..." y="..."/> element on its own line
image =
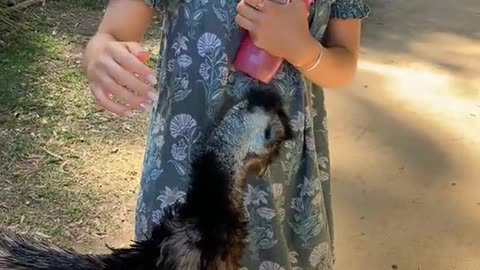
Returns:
<point x="137" y="50"/>
<point x="123" y="77"/>
<point x="143" y="56"/>
<point x="128" y="97"/>
<point x="266" y="5"/>
<point x="107" y="103"/>
<point x="245" y="23"/>
<point x="248" y="11"/>
<point x="254" y="3"/>
<point x="128" y="60"/>
<point x="121" y="74"/>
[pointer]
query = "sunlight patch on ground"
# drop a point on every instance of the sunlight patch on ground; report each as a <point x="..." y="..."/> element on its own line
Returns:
<point x="436" y="92"/>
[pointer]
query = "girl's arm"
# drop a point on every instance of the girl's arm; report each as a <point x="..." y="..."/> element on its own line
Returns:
<point x="334" y="63"/>
<point x="283" y="31"/>
<point x="114" y="55"/>
<point x="126" y="20"/>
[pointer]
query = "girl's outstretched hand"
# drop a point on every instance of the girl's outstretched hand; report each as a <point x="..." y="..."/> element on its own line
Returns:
<point x="280" y="29"/>
<point x="118" y="77"/>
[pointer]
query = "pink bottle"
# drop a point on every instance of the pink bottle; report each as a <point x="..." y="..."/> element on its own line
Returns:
<point x="256" y="62"/>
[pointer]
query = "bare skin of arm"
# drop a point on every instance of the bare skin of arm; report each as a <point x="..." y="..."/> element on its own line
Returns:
<point x="338" y="64"/>
<point x="114" y="55"/>
<point x="113" y="59"/>
<point x="283" y="31"/>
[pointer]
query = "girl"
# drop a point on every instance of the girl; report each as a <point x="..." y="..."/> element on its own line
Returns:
<point x="289" y="209"/>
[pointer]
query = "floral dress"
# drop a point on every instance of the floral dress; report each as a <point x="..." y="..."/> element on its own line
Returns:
<point x="289" y="210"/>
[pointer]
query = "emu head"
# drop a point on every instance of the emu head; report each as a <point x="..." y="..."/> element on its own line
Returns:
<point x="249" y="134"/>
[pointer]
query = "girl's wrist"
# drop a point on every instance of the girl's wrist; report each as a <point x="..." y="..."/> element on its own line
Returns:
<point x="314" y="63"/>
<point x="305" y="54"/>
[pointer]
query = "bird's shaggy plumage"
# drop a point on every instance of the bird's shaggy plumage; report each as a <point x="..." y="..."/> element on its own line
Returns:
<point x="207" y="230"/>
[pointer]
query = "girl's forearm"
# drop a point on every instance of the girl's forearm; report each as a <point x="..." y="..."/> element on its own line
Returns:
<point x="336" y="67"/>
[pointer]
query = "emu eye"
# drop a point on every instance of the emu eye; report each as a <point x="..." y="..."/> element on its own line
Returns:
<point x="268" y="132"/>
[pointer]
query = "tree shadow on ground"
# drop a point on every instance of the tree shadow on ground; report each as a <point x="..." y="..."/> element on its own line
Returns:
<point x="374" y="122"/>
<point x="444" y="34"/>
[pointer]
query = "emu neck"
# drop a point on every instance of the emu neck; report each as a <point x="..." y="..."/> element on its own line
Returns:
<point x="215" y="197"/>
<point x="215" y="193"/>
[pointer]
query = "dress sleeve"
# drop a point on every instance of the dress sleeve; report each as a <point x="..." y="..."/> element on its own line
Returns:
<point x="349" y="9"/>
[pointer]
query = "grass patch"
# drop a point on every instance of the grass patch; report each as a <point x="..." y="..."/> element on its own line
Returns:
<point x="69" y="172"/>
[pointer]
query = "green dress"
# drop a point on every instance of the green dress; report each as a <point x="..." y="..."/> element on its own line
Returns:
<point x="289" y="210"/>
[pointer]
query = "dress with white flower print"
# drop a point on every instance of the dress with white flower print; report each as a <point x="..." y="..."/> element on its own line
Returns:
<point x="289" y="210"/>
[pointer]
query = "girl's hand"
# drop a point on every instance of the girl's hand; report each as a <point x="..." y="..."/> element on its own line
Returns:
<point x="280" y="29"/>
<point x="117" y="69"/>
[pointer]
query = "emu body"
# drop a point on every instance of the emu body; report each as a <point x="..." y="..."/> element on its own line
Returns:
<point x="206" y="231"/>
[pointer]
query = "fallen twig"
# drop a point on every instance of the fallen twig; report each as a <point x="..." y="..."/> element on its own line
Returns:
<point x="52" y="154"/>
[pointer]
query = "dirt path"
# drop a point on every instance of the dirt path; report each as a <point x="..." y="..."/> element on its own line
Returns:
<point x="404" y="138"/>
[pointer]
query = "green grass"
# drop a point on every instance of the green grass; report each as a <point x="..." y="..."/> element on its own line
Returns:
<point x="68" y="171"/>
